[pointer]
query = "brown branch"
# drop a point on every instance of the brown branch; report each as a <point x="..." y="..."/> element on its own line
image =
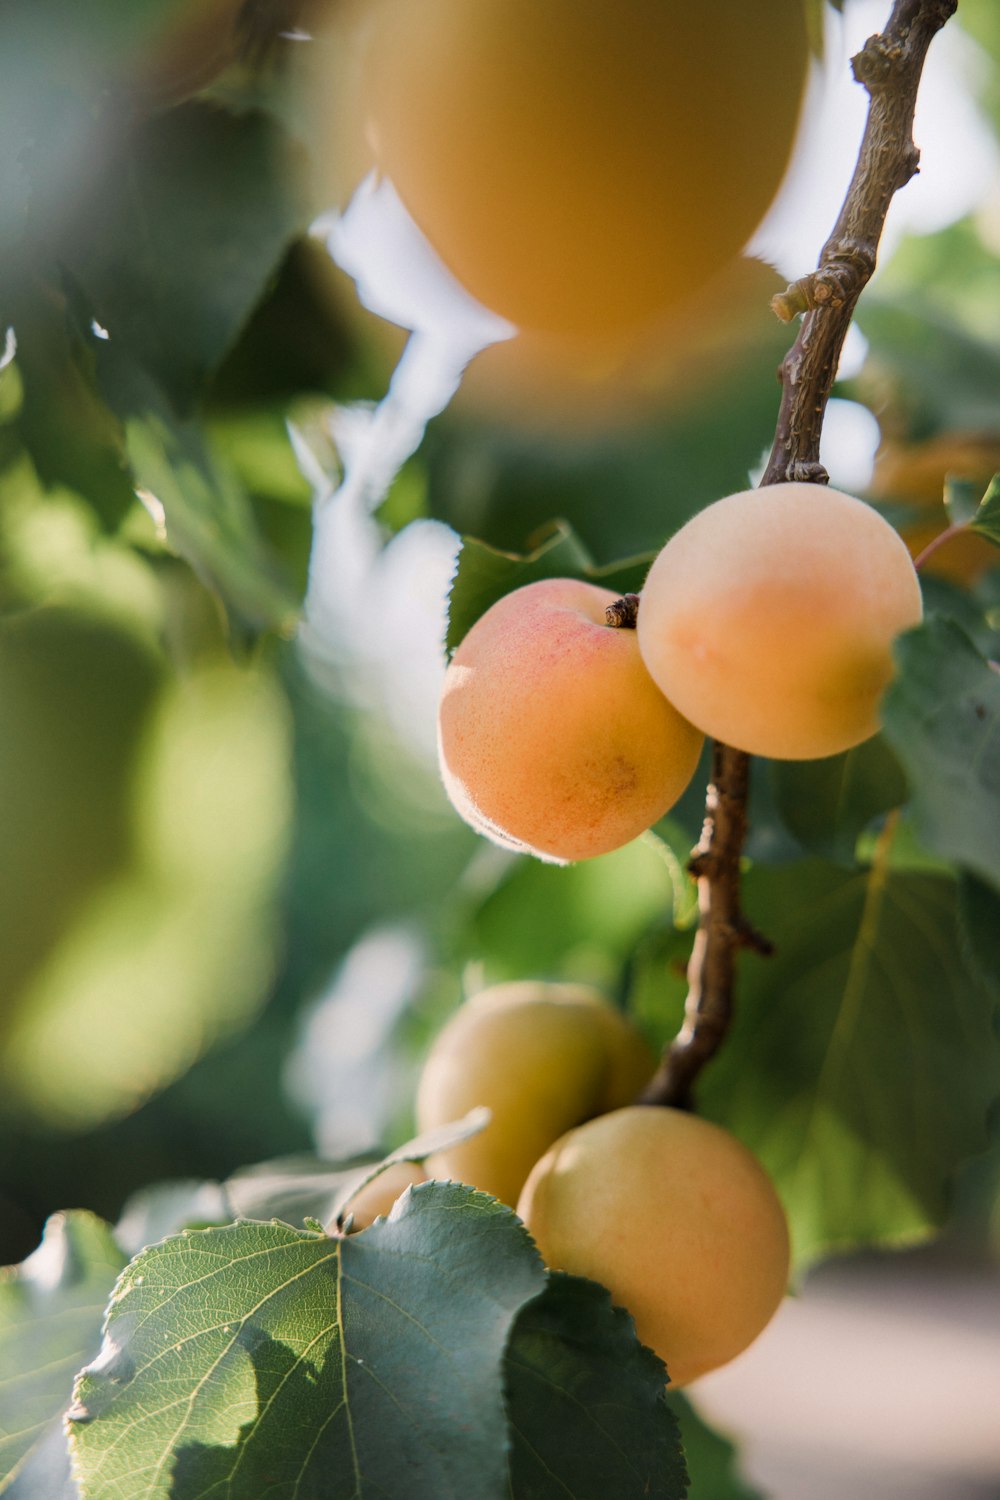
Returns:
<point x="890" y="67"/>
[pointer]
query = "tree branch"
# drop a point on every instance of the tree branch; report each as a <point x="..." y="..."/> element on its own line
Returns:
<point x="889" y="66"/>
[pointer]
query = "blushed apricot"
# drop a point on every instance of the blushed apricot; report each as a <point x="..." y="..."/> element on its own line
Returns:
<point x="541" y="1057"/>
<point x="769" y="619"/>
<point x="677" y="1219"/>
<point x="553" y="737"/>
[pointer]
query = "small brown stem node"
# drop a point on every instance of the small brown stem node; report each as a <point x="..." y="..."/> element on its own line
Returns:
<point x="624" y="613"/>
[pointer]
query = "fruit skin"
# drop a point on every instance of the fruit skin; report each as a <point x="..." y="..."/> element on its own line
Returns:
<point x="542" y="1057"/>
<point x="769" y="619"/>
<point x="582" y="168"/>
<point x="376" y="1200"/>
<point x="552" y="736"/>
<point x="677" y="1219"/>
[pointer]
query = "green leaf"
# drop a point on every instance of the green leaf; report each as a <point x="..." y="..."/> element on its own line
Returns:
<point x="711" y="1457"/>
<point x="864" y="1056"/>
<point x="979" y="918"/>
<point x="942" y="716"/>
<point x="50" y="1323"/>
<point x="261" y="1359"/>
<point x="827" y="804"/>
<point x="189" y="222"/>
<point x="961" y="499"/>
<point x="987" y="518"/>
<point x="485" y="574"/>
<point x="586" y="1403"/>
<point x="577" y="922"/>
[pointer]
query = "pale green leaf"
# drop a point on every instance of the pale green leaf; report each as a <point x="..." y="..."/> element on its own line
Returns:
<point x="50" y="1323"/>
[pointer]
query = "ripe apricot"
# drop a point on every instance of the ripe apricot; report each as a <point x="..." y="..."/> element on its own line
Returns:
<point x="677" y="1219"/>
<point x="553" y="738"/>
<point x="582" y="168"/>
<point x="769" y="619"/>
<point x="542" y="1057"/>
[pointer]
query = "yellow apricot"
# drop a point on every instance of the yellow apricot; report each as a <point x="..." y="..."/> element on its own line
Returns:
<point x="376" y="1199"/>
<point x="541" y="1057"/>
<point x="553" y="738"/>
<point x="769" y="619"/>
<point x="582" y="168"/>
<point x="677" y="1219"/>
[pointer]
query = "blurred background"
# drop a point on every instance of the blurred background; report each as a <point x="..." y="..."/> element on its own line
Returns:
<point x="234" y="903"/>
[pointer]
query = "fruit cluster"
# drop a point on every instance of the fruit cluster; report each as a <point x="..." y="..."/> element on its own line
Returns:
<point x="766" y="622"/>
<point x="670" y="1212"/>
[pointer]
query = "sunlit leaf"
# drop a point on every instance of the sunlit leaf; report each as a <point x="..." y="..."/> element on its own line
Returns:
<point x="864" y="1056"/>
<point x="50" y="1323"/>
<point x="258" y="1357"/>
<point x="987" y="518"/>
<point x="942" y="716"/>
<point x="586" y="1403"/>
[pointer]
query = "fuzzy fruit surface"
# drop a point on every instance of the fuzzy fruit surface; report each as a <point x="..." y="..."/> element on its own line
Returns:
<point x="542" y="1057"/>
<point x="769" y="619"/>
<point x="582" y="168"/>
<point x="553" y="737"/>
<point x="677" y="1219"/>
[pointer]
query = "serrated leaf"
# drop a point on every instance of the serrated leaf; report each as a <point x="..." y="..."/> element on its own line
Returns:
<point x="941" y="714"/>
<point x="827" y="804"/>
<point x="181" y="236"/>
<point x="50" y="1323"/>
<point x="864" y="1055"/>
<point x="484" y="574"/>
<point x="586" y="1403"/>
<point x="267" y="1360"/>
<point x="711" y="1458"/>
<point x="987" y="518"/>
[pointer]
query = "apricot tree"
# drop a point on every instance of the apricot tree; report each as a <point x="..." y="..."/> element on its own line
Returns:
<point x="497" y="1291"/>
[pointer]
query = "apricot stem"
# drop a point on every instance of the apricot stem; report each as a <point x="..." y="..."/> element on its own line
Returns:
<point x="889" y="66"/>
<point x="623" y="614"/>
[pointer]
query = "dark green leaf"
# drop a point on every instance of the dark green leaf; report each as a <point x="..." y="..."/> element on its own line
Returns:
<point x="50" y="1323"/>
<point x="484" y="574"/>
<point x="828" y="803"/>
<point x="979" y="917"/>
<point x="942" y="716"/>
<point x="987" y="518"/>
<point x="864" y="1056"/>
<point x="182" y="236"/>
<point x="711" y="1458"/>
<point x="586" y="1403"/>
<point x="266" y="1360"/>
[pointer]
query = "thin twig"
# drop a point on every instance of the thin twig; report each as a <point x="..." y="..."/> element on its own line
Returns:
<point x="889" y="66"/>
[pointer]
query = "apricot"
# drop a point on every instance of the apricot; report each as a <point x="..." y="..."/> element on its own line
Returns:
<point x="677" y="1219"/>
<point x="580" y="168"/>
<point x="542" y="1057"/>
<point x="553" y="737"/>
<point x="376" y="1199"/>
<point x="769" y="619"/>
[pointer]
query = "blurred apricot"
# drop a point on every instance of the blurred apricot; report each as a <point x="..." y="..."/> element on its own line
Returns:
<point x="915" y="474"/>
<point x="580" y="169"/>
